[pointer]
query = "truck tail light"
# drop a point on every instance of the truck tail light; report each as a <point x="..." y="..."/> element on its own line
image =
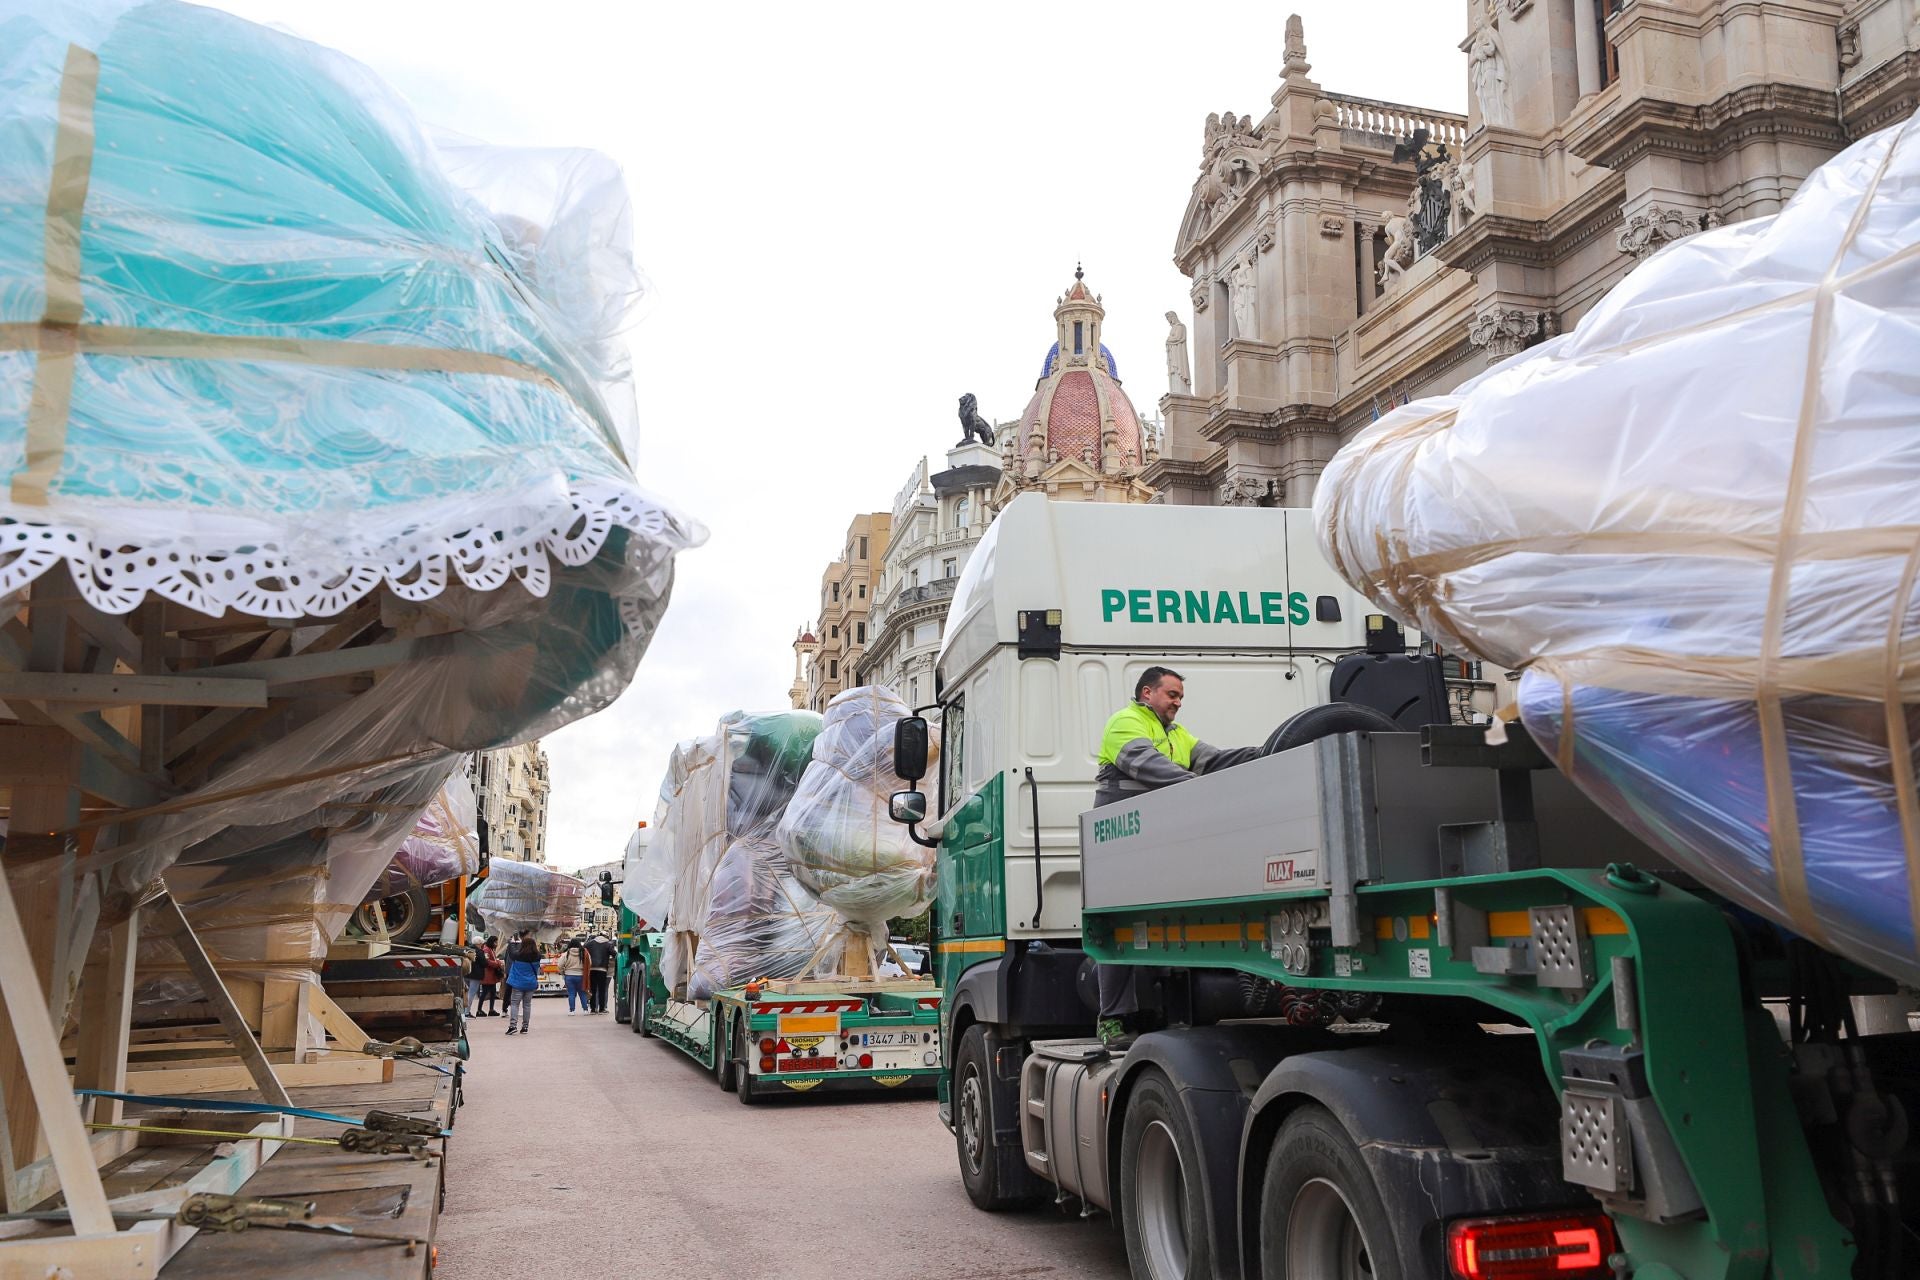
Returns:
<point x="1571" y="1246"/>
<point x="766" y="1044"/>
<point x="766" y="1063"/>
<point x="866" y="1059"/>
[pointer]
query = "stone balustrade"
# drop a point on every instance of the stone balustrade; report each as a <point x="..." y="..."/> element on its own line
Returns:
<point x="1397" y="121"/>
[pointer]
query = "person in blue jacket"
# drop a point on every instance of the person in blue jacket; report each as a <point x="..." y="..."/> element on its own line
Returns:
<point x="523" y="978"/>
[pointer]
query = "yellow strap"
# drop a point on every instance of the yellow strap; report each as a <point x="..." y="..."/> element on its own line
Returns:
<point x="47" y="411"/>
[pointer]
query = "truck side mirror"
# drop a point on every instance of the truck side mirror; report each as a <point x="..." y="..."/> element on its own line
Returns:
<point x="910" y="753"/>
<point x="606" y="888"/>
<point x="907" y="806"/>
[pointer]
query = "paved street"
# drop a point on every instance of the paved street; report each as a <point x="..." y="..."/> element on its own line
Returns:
<point x="584" y="1150"/>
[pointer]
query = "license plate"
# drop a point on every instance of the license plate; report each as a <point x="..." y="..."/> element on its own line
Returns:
<point x="807" y="1064"/>
<point x="885" y="1039"/>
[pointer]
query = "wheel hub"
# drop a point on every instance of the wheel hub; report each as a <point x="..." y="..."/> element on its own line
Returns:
<point x="971" y="1115"/>
<point x="1323" y="1235"/>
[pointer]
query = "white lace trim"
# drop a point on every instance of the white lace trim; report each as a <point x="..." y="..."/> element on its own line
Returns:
<point x="317" y="574"/>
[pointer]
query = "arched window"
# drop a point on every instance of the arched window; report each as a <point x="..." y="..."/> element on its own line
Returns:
<point x="960" y="514"/>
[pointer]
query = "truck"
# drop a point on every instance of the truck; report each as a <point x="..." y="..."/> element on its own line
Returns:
<point x="1423" y="1010"/>
<point x="764" y="1036"/>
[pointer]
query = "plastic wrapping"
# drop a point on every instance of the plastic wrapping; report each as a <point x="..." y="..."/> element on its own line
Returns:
<point x="443" y="845"/>
<point x="643" y="884"/>
<point x="1691" y="521"/>
<point x="734" y="910"/>
<point x="527" y="895"/>
<point x="267" y="351"/>
<point x="841" y="844"/>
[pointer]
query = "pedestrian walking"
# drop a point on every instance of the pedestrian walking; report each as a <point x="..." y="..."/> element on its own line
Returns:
<point x="491" y="971"/>
<point x="600" y="970"/>
<point x="573" y="972"/>
<point x="523" y="978"/>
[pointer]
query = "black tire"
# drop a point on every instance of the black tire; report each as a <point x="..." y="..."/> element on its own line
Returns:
<point x="1163" y="1208"/>
<point x="996" y="1176"/>
<point x="1321" y="1216"/>
<point x="743" y="1086"/>
<point x="622" y="1004"/>
<point x="1324" y="721"/>
<point x="406" y="913"/>
<point x="637" y="996"/>
<point x="723" y="1064"/>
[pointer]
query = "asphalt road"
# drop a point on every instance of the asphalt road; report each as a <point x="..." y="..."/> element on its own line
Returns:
<point x="584" y="1150"/>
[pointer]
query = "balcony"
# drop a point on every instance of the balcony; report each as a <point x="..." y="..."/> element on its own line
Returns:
<point x="938" y="589"/>
<point x="1388" y="123"/>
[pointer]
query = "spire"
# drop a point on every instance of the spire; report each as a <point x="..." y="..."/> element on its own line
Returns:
<point x="1077" y="273"/>
<point x="1296" y="65"/>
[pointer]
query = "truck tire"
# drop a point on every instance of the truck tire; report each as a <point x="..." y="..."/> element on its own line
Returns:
<point x="996" y="1176"/>
<point x="1324" y="721"/>
<point x="1163" y="1209"/>
<point x="622" y="1002"/>
<point x="743" y="1087"/>
<point x="723" y="1064"/>
<point x="637" y="997"/>
<point x="1321" y="1216"/>
<point x="407" y="913"/>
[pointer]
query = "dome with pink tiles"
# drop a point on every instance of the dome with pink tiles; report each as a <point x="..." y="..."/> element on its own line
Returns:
<point x="1078" y="410"/>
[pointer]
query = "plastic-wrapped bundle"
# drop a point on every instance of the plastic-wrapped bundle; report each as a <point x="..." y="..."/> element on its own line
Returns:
<point x="840" y="842"/>
<point x="442" y="846"/>
<point x="1691" y="521"/>
<point x="760" y="922"/>
<point x="526" y="895"/>
<point x="643" y="883"/>
<point x="732" y="907"/>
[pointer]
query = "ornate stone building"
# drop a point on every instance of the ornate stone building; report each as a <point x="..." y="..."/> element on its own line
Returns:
<point x="510" y="787"/>
<point x="938" y="518"/>
<point x="846" y="597"/>
<point x="1079" y="438"/>
<point x="1347" y="254"/>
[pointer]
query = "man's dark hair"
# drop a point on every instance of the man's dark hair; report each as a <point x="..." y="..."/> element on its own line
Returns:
<point x="1151" y="678"/>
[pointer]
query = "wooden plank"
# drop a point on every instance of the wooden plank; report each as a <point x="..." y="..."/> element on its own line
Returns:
<point x="281" y="672"/>
<point x="37" y="755"/>
<point x="339" y="1025"/>
<point x="39" y="1181"/>
<point x="123" y="1255"/>
<point x="284" y="1007"/>
<point x="397" y="1004"/>
<point x="173" y="922"/>
<point x="49" y="1093"/>
<point x="335" y="1069"/>
<point x="131" y="690"/>
<point x="106" y="1010"/>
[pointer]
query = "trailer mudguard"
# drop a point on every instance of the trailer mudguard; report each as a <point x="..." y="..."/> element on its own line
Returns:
<point x="1215" y="1073"/>
<point x="1033" y="991"/>
<point x="1445" y="1131"/>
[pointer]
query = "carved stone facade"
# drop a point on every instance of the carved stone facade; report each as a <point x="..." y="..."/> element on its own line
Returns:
<point x="1347" y="254"/>
<point x="839" y="638"/>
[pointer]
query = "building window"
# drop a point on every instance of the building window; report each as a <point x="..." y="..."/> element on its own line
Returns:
<point x="863" y="548"/>
<point x="863" y="591"/>
<point x="859" y="633"/>
<point x="834" y="633"/>
<point x="1079" y="344"/>
<point x="916" y="576"/>
<point x="949" y="567"/>
<point x="836" y="593"/>
<point x="833" y="670"/>
<point x="960" y="514"/>
<point x="1609" y="56"/>
<point x="913" y="692"/>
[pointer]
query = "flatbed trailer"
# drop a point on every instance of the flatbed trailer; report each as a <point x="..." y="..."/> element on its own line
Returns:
<point x="796" y="1037"/>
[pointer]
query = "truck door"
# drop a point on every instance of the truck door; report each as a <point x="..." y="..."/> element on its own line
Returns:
<point x="969" y="920"/>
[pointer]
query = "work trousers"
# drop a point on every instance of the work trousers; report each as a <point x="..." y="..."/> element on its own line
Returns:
<point x="519" y="1004"/>
<point x="574" y="991"/>
<point x="601" y="981"/>
<point x="473" y="995"/>
<point x="490" y="997"/>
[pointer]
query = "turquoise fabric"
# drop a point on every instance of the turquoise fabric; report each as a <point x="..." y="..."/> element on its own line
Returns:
<point x="248" y="183"/>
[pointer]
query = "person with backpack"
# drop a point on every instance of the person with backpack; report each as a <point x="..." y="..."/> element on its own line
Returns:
<point x="523" y="978"/>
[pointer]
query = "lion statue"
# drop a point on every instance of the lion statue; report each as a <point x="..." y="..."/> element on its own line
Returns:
<point x="971" y="423"/>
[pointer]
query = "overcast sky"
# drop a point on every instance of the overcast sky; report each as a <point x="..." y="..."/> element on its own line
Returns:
<point x="850" y="214"/>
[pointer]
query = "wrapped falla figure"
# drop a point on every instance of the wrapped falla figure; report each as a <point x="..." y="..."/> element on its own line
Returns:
<point x="841" y="845"/>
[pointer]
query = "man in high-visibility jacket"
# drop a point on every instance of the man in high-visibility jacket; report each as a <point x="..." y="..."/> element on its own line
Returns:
<point x="1143" y="748"/>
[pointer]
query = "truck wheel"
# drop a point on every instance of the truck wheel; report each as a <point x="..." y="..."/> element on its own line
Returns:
<point x="1325" y="720"/>
<point x="1163" y="1211"/>
<point x="622" y="1001"/>
<point x="406" y="912"/>
<point x="1321" y="1217"/>
<point x="743" y="1081"/>
<point x="996" y="1176"/>
<point x="637" y="997"/>
<point x="723" y="1064"/>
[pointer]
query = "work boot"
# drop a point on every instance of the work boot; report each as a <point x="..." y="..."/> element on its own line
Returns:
<point x="1113" y="1034"/>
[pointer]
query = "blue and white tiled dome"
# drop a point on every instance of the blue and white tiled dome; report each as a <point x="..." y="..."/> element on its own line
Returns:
<point x="1053" y="358"/>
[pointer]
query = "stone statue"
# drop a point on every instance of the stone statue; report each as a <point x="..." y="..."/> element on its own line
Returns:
<point x="1399" y="254"/>
<point x="1487" y="72"/>
<point x="1178" y="380"/>
<point x="1240" y="284"/>
<point x="972" y="424"/>
<point x="1459" y="183"/>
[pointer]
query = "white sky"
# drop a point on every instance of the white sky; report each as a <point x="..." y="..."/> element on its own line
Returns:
<point x="851" y="214"/>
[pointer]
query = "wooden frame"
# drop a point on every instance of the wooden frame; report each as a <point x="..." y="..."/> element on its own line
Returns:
<point x="106" y="720"/>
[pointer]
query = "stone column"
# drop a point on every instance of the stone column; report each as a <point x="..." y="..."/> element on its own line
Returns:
<point x="1586" y="46"/>
<point x="1369" y="262"/>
